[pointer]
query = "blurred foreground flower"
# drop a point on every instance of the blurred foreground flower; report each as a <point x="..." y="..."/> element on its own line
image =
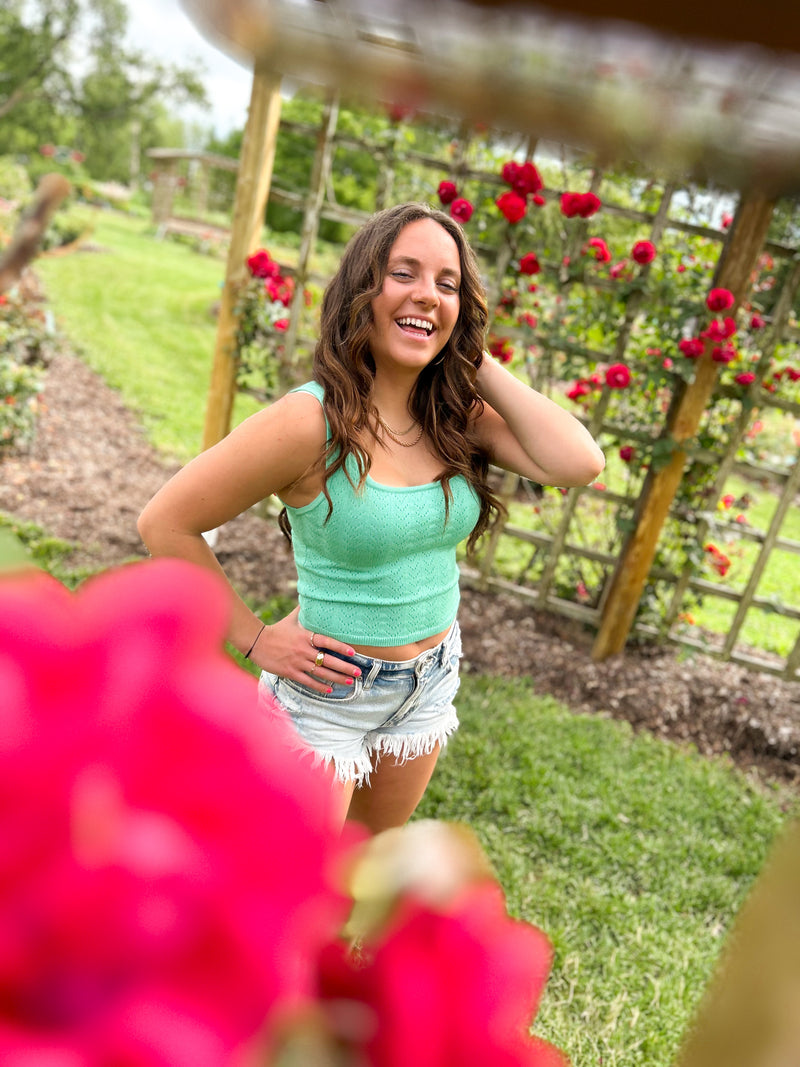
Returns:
<point x="166" y="866"/>
<point x="442" y="976"/>
<point x="171" y="873"/>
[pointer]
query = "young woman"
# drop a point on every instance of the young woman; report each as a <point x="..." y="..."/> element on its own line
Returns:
<point x="381" y="462"/>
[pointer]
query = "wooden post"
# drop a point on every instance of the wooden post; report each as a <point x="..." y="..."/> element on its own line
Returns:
<point x="252" y="190"/>
<point x="738" y="259"/>
<point x="750" y="1013"/>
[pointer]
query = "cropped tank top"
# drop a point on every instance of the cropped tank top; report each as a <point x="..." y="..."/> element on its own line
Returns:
<point x="382" y="570"/>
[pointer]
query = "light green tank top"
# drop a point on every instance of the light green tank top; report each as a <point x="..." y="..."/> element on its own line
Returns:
<point x="382" y="570"/>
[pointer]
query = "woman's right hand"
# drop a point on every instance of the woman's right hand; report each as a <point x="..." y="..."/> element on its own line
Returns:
<point x="285" y="648"/>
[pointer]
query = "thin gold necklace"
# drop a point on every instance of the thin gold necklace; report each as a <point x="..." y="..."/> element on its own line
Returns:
<point x="397" y="435"/>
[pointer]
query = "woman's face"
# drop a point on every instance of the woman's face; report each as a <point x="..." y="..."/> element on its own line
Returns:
<point x="418" y="306"/>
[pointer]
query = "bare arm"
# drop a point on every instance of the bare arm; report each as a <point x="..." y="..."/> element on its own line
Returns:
<point x="267" y="454"/>
<point x="526" y="433"/>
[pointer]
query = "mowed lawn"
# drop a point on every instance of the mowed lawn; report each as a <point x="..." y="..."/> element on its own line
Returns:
<point x="632" y="854"/>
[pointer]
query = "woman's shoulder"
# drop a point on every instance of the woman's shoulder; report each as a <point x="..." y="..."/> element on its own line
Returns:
<point x="313" y="388"/>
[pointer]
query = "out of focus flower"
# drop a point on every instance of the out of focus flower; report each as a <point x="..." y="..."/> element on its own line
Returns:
<point x="529" y="264"/>
<point x="512" y="206"/>
<point x="643" y="252"/>
<point x="166" y="877"/>
<point x="583" y="204"/>
<point x="691" y="347"/>
<point x="461" y="209"/>
<point x="618" y="376"/>
<point x="447" y="192"/>
<point x="719" y="300"/>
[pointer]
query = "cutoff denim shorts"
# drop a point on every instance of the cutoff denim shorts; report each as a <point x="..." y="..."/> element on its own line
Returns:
<point x="403" y="709"/>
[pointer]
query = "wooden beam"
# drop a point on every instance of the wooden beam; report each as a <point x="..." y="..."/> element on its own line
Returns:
<point x="750" y="1013"/>
<point x="733" y="272"/>
<point x="252" y="190"/>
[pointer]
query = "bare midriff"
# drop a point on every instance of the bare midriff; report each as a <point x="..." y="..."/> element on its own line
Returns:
<point x="402" y="652"/>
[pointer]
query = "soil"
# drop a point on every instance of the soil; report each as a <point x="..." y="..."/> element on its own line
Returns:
<point x="90" y="470"/>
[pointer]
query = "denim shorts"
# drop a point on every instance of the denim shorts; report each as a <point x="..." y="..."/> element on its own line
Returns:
<point x="403" y="709"/>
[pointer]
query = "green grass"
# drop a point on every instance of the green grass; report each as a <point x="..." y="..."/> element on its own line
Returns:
<point x="630" y="853"/>
<point x="140" y="313"/>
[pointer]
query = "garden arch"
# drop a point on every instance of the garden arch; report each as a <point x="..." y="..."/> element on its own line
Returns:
<point x="764" y="172"/>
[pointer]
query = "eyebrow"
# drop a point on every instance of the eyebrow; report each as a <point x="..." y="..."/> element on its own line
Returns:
<point x="412" y="262"/>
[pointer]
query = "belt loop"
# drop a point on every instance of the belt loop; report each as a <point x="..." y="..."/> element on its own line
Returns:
<point x="372" y="674"/>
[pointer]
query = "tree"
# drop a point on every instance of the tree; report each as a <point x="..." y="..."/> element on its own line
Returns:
<point x="117" y="101"/>
<point x="34" y="78"/>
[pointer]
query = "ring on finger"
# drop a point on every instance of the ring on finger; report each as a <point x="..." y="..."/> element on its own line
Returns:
<point x="311" y="639"/>
<point x="319" y="660"/>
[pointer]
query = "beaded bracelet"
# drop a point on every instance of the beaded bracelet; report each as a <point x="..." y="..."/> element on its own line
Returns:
<point x="250" y="649"/>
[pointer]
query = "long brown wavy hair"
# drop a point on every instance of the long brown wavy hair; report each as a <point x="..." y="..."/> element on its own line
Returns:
<point x="444" y="399"/>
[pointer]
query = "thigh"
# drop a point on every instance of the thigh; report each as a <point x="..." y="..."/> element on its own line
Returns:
<point x="395" y="788"/>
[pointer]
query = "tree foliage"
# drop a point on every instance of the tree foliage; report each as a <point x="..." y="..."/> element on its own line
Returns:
<point x="68" y="78"/>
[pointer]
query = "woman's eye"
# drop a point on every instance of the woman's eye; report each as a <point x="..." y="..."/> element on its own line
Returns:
<point x="403" y="274"/>
<point x="451" y="287"/>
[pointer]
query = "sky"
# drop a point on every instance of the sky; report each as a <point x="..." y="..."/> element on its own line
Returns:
<point x="163" y="29"/>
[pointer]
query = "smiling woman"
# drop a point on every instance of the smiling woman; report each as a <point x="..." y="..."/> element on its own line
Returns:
<point x="382" y="464"/>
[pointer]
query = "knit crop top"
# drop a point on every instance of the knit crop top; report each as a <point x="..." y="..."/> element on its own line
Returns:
<point x="382" y="570"/>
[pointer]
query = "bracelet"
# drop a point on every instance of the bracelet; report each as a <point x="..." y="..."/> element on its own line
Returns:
<point x="250" y="649"/>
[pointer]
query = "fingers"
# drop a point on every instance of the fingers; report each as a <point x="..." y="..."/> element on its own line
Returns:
<point x="329" y="669"/>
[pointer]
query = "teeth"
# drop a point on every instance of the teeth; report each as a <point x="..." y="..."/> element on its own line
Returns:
<point x="420" y="324"/>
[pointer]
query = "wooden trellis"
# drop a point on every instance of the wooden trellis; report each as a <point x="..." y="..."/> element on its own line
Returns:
<point x="627" y="569"/>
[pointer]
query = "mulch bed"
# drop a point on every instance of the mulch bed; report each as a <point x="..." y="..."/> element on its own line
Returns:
<point x="90" y="470"/>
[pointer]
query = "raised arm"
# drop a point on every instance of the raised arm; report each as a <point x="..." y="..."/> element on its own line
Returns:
<point x="531" y="435"/>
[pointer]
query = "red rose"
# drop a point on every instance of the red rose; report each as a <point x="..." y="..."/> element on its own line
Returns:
<point x="757" y="322"/>
<point x="626" y="453"/>
<point x="747" y="378"/>
<point x="726" y="221"/>
<point x="512" y="206"/>
<point x="644" y="252"/>
<point x="281" y="325"/>
<point x="719" y="300"/>
<point x="792" y="374"/>
<point x="618" y="376"/>
<point x="570" y="204"/>
<point x="723" y="354"/>
<point x="527" y="319"/>
<point x="692" y="347"/>
<point x="502" y="349"/>
<point x="529" y="264"/>
<point x="528" y="180"/>
<point x="538" y="199"/>
<point x="600" y="249"/>
<point x="261" y="265"/>
<point x="461" y="210"/>
<point x="720" y="331"/>
<point x="447" y="192"/>
<point x="619" y="269"/>
<point x="578" y="390"/>
<point x="510" y="172"/>
<point x="588" y="205"/>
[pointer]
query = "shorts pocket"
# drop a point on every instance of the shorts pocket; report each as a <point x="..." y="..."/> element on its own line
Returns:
<point x="290" y="693"/>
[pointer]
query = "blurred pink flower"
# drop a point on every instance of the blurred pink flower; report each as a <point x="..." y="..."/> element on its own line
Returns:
<point x="450" y="986"/>
<point x="719" y="300"/>
<point x="166" y="870"/>
<point x="618" y="376"/>
<point x="691" y="347"/>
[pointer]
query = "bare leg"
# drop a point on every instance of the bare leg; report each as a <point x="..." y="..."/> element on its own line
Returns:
<point x="394" y="791"/>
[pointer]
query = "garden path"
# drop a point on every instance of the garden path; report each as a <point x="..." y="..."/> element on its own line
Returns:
<point x="91" y="469"/>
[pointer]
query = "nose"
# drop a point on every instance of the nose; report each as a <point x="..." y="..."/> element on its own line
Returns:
<point x="425" y="292"/>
